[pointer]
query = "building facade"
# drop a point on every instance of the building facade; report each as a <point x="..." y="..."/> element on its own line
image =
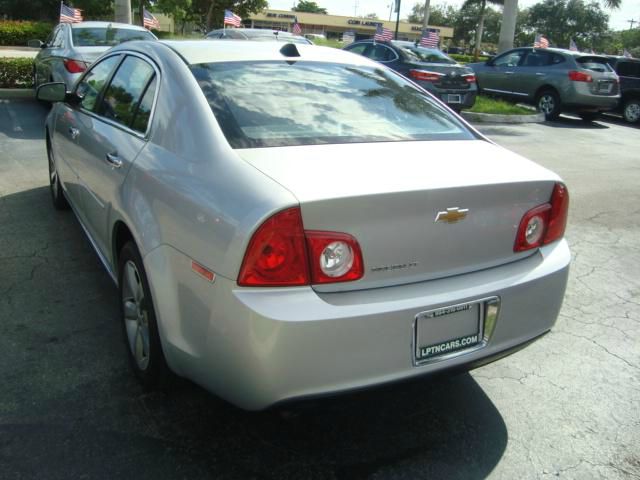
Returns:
<point x="334" y="26"/>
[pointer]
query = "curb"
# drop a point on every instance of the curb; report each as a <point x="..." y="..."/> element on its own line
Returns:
<point x="16" y="93"/>
<point x="493" y="118"/>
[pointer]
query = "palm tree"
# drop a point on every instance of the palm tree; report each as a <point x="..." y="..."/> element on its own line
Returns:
<point x="612" y="4"/>
<point x="482" y="4"/>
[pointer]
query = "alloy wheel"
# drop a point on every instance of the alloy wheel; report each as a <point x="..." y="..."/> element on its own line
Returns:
<point x="136" y="316"/>
<point x="632" y="112"/>
<point x="546" y="104"/>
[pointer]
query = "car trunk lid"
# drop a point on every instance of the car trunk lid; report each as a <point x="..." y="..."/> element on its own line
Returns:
<point x="389" y="196"/>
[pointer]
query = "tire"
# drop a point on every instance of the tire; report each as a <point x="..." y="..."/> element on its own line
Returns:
<point x="139" y="325"/>
<point x="57" y="193"/>
<point x="548" y="102"/>
<point x="589" y="116"/>
<point x="631" y="110"/>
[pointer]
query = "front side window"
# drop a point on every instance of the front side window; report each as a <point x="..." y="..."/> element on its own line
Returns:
<point x="380" y="53"/>
<point x="101" y="37"/>
<point x="359" y="48"/>
<point x="268" y="104"/>
<point x="121" y="99"/>
<point x="94" y="81"/>
<point x="511" y="59"/>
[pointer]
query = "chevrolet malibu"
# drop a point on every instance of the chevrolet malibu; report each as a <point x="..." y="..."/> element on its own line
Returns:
<point x="285" y="221"/>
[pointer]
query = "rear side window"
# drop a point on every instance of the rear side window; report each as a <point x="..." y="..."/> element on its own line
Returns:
<point x="629" y="69"/>
<point x="359" y="49"/>
<point x="121" y="99"/>
<point x="595" y="64"/>
<point x="269" y="104"/>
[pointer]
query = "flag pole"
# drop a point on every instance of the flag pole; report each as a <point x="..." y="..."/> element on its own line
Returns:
<point x="397" y="20"/>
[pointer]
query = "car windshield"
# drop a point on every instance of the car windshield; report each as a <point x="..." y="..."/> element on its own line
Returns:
<point x="267" y="104"/>
<point x="106" y="37"/>
<point x="595" y="64"/>
<point x="429" y="55"/>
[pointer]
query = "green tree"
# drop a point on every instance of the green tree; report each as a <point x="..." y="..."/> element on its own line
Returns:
<point x="309" y="7"/>
<point x="562" y="20"/>
<point x="482" y="10"/>
<point x="210" y="13"/>
<point x="180" y="10"/>
<point x="50" y="9"/>
<point x="443" y="15"/>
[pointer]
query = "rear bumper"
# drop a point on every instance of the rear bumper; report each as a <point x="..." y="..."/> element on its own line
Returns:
<point x="590" y="102"/>
<point x="257" y="347"/>
<point x="467" y="96"/>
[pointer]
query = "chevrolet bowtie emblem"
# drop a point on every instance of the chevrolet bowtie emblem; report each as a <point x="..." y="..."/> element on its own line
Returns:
<point x="452" y="215"/>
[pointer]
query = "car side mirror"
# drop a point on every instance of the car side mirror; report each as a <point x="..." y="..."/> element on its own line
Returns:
<point x="36" y="44"/>
<point x="52" y="92"/>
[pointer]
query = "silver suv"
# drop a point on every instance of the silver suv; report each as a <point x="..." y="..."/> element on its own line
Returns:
<point x="552" y="79"/>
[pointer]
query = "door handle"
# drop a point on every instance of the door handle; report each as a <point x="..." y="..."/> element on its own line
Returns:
<point x="114" y="160"/>
<point x="74" y="132"/>
<point x="508" y="73"/>
<point x="539" y="74"/>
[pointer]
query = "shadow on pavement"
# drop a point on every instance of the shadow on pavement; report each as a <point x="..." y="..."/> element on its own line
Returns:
<point x="71" y="408"/>
<point x="22" y="118"/>
<point x="574" y="122"/>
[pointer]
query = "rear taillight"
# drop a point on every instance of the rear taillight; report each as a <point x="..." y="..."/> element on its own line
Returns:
<point x="545" y="223"/>
<point x="425" y="76"/>
<point x="576" y="76"/>
<point x="74" y="66"/>
<point x="471" y="78"/>
<point x="335" y="257"/>
<point x="282" y="253"/>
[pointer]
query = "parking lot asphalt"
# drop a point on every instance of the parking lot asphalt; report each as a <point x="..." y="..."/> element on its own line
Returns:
<point x="568" y="406"/>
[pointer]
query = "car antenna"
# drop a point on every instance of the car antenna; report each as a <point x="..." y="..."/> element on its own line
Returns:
<point x="290" y="50"/>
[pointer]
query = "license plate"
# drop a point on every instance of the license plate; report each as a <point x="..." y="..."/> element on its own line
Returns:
<point x="446" y="331"/>
<point x="605" y="87"/>
<point x="454" y="98"/>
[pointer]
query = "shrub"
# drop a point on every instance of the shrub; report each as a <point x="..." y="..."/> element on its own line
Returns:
<point x="16" y="72"/>
<point x="18" y="33"/>
<point x="466" y="58"/>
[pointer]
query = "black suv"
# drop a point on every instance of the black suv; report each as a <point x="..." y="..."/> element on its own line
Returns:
<point x="628" y="69"/>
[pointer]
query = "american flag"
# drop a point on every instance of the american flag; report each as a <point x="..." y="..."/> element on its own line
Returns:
<point x="150" y="21"/>
<point x="231" y="18"/>
<point x="540" y="42"/>
<point x="430" y="38"/>
<point x="69" y="14"/>
<point x="383" y="34"/>
<point x="296" y="27"/>
<point x="572" y="46"/>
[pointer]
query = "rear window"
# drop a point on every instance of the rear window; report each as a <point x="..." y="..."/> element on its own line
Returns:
<point x="429" y="55"/>
<point x="268" y="104"/>
<point x="595" y="64"/>
<point x="105" y="37"/>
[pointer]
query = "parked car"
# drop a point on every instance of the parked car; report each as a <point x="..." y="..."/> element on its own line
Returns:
<point x="628" y="70"/>
<point x="256" y="35"/>
<point x="289" y="220"/>
<point x="433" y="70"/>
<point x="552" y="79"/>
<point x="72" y="47"/>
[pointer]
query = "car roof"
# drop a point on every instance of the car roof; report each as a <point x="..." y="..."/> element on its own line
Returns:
<point x="106" y="25"/>
<point x="208" y="51"/>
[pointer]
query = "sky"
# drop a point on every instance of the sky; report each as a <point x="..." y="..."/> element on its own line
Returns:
<point x="630" y="9"/>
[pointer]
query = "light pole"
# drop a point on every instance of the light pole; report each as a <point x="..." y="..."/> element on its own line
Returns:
<point x="123" y="11"/>
<point x="508" y="27"/>
<point x="397" y="18"/>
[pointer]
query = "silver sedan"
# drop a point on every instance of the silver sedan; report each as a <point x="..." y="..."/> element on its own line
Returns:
<point x="285" y="221"/>
<point x="71" y="48"/>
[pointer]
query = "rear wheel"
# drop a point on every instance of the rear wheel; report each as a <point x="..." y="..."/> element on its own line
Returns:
<point x="139" y="321"/>
<point x="57" y="194"/>
<point x="631" y="110"/>
<point x="548" y="102"/>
